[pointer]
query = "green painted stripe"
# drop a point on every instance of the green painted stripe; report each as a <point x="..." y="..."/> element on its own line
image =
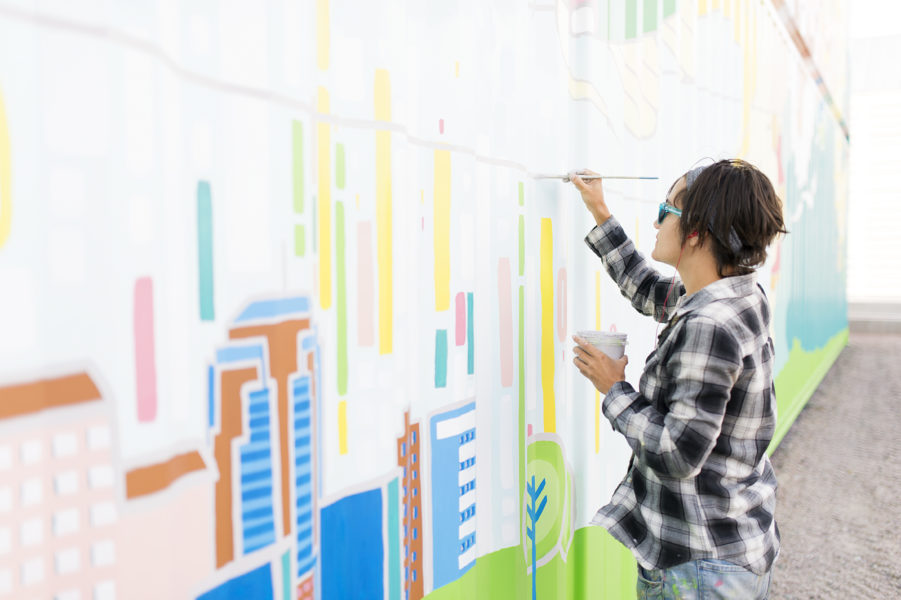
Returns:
<point x="649" y="16"/>
<point x="341" y="298"/>
<point x="631" y="18"/>
<point x="297" y="163"/>
<point x="205" y="251"/>
<point x="300" y="246"/>
<point x="522" y="396"/>
<point x="669" y="7"/>
<point x="522" y="194"/>
<point x="339" y="166"/>
<point x="798" y="380"/>
<point x="522" y="245"/>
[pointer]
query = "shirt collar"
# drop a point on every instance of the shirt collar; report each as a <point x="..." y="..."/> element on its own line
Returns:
<point x="736" y="286"/>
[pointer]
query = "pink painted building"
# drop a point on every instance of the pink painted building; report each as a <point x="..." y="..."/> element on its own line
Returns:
<point x="58" y="514"/>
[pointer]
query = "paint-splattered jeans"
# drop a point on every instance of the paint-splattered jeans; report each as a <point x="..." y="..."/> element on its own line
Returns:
<point x="702" y="580"/>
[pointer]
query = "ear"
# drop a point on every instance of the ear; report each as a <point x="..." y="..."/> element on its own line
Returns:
<point x="693" y="234"/>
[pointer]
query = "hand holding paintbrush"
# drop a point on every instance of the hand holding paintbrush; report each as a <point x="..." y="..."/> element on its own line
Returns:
<point x="592" y="189"/>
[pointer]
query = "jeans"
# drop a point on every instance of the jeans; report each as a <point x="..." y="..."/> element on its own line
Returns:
<point x="702" y="579"/>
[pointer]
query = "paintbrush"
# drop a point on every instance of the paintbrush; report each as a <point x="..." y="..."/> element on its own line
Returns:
<point x="566" y="178"/>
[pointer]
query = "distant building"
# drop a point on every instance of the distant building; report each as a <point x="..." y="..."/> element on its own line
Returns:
<point x="453" y="496"/>
<point x="360" y="546"/>
<point x="263" y="413"/>
<point x="58" y="514"/>
<point x="411" y="497"/>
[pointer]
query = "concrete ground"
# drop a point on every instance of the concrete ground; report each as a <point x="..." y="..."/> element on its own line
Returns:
<point x="839" y="472"/>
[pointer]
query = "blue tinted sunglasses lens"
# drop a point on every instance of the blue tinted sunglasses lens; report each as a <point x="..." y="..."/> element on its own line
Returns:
<point x="661" y="215"/>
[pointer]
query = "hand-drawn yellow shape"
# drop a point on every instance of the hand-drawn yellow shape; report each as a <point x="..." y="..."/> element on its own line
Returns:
<point x="323" y="148"/>
<point x="702" y="7"/>
<point x="322" y="34"/>
<point x="547" y="324"/>
<point x="6" y="188"/>
<point x="342" y="427"/>
<point x="383" y="212"/>
<point x="442" y="196"/>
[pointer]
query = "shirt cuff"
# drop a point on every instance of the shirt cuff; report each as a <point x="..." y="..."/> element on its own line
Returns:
<point x="619" y="397"/>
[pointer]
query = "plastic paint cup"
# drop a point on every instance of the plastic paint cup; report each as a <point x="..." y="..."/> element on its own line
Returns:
<point x="611" y="343"/>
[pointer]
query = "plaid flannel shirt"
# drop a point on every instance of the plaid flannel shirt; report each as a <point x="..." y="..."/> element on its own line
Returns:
<point x="700" y="484"/>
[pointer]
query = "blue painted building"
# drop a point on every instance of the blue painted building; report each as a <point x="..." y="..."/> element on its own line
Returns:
<point x="453" y="482"/>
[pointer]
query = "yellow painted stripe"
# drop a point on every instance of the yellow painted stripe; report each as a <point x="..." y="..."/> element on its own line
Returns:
<point x="323" y="145"/>
<point x="6" y="188"/>
<point x="442" y="229"/>
<point x="737" y="21"/>
<point x="547" y="324"/>
<point x="702" y="7"/>
<point x="342" y="427"/>
<point x="383" y="212"/>
<point x="322" y="34"/>
<point x="597" y="394"/>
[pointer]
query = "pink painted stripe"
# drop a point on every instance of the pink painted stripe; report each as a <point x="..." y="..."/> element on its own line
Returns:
<point x="365" y="285"/>
<point x="561" y="304"/>
<point x="461" y="319"/>
<point x="505" y="314"/>
<point x="145" y="361"/>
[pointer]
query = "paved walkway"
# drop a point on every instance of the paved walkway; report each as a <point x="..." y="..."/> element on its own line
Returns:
<point x="839" y="471"/>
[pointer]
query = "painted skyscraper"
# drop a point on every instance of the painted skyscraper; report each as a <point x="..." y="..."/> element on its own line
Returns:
<point x="408" y="457"/>
<point x="453" y="496"/>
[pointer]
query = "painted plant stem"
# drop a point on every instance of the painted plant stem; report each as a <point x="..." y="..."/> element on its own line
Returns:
<point x="534" y="515"/>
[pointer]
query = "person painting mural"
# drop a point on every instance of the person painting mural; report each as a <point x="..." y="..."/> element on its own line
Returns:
<point x="697" y="505"/>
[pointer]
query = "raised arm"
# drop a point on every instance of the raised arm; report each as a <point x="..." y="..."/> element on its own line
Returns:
<point x="640" y="283"/>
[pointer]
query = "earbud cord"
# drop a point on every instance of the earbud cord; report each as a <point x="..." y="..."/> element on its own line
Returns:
<point x="657" y="340"/>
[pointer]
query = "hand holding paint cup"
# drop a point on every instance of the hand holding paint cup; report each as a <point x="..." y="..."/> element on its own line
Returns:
<point x="611" y="343"/>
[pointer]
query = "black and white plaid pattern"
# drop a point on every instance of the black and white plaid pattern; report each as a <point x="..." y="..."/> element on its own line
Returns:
<point x="700" y="484"/>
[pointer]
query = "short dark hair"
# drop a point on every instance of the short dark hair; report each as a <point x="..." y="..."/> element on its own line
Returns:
<point x="733" y="204"/>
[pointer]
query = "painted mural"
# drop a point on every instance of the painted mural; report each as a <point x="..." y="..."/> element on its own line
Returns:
<point x="284" y="313"/>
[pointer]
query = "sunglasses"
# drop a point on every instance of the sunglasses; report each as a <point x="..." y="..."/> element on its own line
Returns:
<point x="667" y="208"/>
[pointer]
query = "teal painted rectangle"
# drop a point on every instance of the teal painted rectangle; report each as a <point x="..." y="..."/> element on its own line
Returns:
<point x="393" y="543"/>
<point x="441" y="358"/>
<point x="631" y="18"/>
<point x="669" y="7"/>
<point x="470" y="337"/>
<point x="286" y="575"/>
<point x="205" y="251"/>
<point x="649" y="16"/>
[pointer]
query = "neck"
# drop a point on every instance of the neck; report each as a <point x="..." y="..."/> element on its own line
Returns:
<point x="697" y="270"/>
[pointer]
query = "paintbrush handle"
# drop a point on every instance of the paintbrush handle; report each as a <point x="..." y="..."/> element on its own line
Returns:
<point x="566" y="179"/>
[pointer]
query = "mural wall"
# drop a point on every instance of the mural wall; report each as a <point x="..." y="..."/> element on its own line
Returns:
<point x="284" y="314"/>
